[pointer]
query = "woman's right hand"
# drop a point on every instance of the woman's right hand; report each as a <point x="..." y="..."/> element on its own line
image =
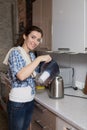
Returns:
<point x="46" y="58"/>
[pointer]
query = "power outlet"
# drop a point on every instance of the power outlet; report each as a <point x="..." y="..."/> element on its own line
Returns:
<point x="80" y="85"/>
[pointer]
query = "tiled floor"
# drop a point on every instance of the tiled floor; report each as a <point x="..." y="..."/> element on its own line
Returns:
<point x="3" y="120"/>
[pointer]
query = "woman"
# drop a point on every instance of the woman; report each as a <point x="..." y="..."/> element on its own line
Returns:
<point x="22" y="70"/>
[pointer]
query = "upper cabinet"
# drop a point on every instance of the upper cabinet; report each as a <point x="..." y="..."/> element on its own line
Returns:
<point x="41" y="16"/>
<point x="64" y="23"/>
<point x="69" y="25"/>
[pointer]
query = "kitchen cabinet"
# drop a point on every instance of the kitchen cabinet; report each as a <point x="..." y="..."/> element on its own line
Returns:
<point x="64" y="24"/>
<point x="69" y="24"/>
<point x="41" y="16"/>
<point x="43" y="118"/>
<point x="63" y="125"/>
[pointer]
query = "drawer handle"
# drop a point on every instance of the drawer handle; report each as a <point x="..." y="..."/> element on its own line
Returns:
<point x="38" y="122"/>
<point x="40" y="107"/>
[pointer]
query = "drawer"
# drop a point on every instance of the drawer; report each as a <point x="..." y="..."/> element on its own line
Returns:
<point x="43" y="117"/>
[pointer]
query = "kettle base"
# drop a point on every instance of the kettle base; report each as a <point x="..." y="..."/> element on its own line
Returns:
<point x="56" y="97"/>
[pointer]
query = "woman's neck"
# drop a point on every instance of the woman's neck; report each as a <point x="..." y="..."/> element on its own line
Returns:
<point x="25" y="48"/>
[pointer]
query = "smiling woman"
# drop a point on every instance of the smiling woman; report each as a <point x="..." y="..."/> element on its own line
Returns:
<point x="32" y="40"/>
<point x="28" y="31"/>
<point x="23" y="68"/>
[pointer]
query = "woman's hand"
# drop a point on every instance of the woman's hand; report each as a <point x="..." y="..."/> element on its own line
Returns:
<point x="46" y="58"/>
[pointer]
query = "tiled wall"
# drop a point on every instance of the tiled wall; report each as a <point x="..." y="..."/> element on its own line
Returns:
<point x="78" y="62"/>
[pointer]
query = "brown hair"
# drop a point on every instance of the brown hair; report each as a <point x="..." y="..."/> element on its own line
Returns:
<point x="27" y="31"/>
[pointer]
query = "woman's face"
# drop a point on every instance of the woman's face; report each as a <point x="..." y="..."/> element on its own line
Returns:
<point x="32" y="40"/>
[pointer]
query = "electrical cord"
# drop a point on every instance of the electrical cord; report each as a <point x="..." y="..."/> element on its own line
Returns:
<point x="75" y="96"/>
<point x="75" y="88"/>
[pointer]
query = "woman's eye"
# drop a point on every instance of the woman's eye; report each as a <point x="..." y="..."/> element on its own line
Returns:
<point x="33" y="37"/>
<point x="39" y="40"/>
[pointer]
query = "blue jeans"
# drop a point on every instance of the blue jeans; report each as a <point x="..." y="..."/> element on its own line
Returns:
<point x="19" y="115"/>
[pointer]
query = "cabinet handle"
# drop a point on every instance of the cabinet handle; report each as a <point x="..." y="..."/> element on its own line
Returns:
<point x="86" y="49"/>
<point x="38" y="122"/>
<point x="40" y="107"/>
<point x="63" y="49"/>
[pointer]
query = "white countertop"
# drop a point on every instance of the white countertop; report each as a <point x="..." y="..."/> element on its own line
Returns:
<point x="72" y="109"/>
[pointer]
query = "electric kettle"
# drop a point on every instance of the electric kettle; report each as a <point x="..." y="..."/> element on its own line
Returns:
<point x="56" y="88"/>
<point x="48" y="73"/>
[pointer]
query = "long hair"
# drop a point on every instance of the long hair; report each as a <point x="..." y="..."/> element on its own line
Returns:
<point x="27" y="31"/>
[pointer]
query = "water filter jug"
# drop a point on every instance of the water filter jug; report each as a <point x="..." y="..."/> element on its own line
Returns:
<point x="48" y="73"/>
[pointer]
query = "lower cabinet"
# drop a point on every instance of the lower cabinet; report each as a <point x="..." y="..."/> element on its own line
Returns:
<point x="43" y="118"/>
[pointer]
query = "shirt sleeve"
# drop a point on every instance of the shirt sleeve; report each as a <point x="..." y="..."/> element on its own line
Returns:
<point x="16" y="62"/>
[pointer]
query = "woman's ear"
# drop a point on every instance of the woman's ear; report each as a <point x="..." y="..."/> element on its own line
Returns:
<point x="24" y="36"/>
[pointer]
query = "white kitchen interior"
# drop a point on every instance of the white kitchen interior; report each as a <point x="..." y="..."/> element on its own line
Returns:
<point x="64" y="23"/>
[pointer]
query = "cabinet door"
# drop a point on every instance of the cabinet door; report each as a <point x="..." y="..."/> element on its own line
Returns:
<point x="37" y="121"/>
<point x="62" y="125"/>
<point x="43" y="119"/>
<point x="42" y="18"/>
<point x="69" y="25"/>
